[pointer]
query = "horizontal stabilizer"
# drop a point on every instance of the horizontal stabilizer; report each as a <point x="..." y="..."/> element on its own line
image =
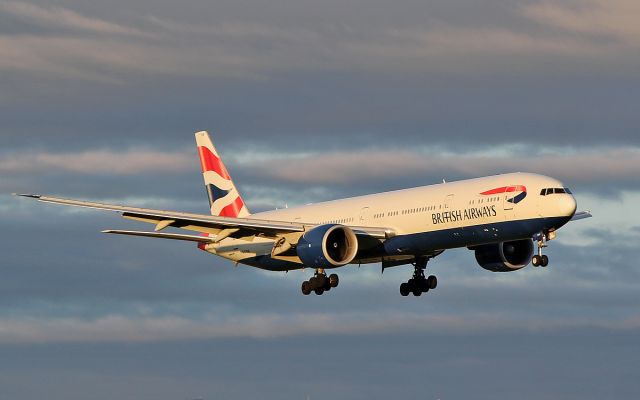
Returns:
<point x="581" y="215"/>
<point x="173" y="236"/>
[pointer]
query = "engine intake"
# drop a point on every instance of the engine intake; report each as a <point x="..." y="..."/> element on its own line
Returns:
<point x="505" y="256"/>
<point x="327" y="246"/>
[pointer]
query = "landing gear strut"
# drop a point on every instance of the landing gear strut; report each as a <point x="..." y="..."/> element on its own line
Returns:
<point x="541" y="259"/>
<point x="418" y="284"/>
<point x="320" y="283"/>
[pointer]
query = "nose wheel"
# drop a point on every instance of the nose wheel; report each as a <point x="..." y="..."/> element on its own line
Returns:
<point x="418" y="283"/>
<point x="319" y="283"/>
<point x="541" y="260"/>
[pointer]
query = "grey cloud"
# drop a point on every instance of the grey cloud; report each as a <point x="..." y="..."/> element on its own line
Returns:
<point x="250" y="49"/>
<point x="614" y="19"/>
<point x="380" y="366"/>
<point x="605" y="169"/>
<point x="150" y="329"/>
<point x="418" y="80"/>
<point x="55" y="16"/>
<point x="97" y="162"/>
<point x="344" y="167"/>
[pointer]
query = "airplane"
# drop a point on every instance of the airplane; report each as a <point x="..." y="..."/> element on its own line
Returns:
<point x="498" y="217"/>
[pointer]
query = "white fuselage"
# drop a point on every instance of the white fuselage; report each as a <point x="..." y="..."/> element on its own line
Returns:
<point x="429" y="218"/>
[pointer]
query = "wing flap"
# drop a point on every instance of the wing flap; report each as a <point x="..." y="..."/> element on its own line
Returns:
<point x="173" y="236"/>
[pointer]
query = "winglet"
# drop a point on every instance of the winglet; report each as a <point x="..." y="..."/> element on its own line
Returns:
<point x="32" y="196"/>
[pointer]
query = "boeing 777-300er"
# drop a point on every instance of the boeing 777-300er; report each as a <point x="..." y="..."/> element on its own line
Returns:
<point x="499" y="218"/>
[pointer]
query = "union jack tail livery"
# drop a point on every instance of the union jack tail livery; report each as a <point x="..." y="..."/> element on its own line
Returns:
<point x="224" y="198"/>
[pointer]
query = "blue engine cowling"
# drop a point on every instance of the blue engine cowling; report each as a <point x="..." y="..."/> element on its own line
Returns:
<point x="327" y="246"/>
<point x="504" y="256"/>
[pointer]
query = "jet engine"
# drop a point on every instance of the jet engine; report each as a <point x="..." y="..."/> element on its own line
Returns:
<point x="327" y="246"/>
<point x="504" y="256"/>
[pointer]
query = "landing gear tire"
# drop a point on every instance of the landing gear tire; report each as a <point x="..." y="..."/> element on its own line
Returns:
<point x="319" y="283"/>
<point x="404" y="289"/>
<point x="536" y="260"/>
<point x="418" y="284"/>
<point x="540" y="261"/>
<point x="432" y="282"/>
<point x="545" y="261"/>
<point x="306" y="288"/>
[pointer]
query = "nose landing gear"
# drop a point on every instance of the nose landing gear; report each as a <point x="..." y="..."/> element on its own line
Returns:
<point x="541" y="259"/>
<point x="320" y="283"/>
<point x="418" y="284"/>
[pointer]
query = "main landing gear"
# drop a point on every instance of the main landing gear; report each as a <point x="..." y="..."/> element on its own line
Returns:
<point x="541" y="260"/>
<point x="320" y="283"/>
<point x="418" y="284"/>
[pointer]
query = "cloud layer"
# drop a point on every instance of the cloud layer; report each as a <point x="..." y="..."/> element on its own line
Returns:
<point x="309" y="101"/>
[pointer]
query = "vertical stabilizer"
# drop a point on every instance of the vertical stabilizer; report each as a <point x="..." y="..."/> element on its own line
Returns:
<point x="224" y="198"/>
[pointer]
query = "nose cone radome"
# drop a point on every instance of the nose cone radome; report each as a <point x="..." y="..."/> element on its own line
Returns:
<point x="566" y="205"/>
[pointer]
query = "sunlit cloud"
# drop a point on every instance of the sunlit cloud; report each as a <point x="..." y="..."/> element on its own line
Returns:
<point x="60" y="17"/>
<point x="117" y="328"/>
<point x="249" y="49"/>
<point x="100" y="162"/>
<point x="338" y="167"/>
<point x="613" y="19"/>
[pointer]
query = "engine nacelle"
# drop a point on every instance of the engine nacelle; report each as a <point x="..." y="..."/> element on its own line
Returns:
<point x="327" y="246"/>
<point x="505" y="256"/>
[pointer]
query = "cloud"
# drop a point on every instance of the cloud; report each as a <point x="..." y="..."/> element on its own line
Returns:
<point x="250" y="49"/>
<point x="613" y="19"/>
<point x="116" y="328"/>
<point x="98" y="162"/>
<point x="60" y="17"/>
<point x="342" y="167"/>
<point x="236" y="29"/>
<point x="273" y="176"/>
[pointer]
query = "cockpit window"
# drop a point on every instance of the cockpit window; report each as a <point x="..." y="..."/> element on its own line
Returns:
<point x="548" y="191"/>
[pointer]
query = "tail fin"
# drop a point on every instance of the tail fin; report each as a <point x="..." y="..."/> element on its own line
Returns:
<point x="224" y="198"/>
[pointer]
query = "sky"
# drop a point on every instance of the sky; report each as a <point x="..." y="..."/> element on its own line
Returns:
<point x="309" y="101"/>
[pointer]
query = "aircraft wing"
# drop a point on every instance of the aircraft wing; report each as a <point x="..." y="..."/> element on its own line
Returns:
<point x="220" y="226"/>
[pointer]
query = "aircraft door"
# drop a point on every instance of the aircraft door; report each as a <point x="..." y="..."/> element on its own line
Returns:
<point x="364" y="216"/>
<point x="448" y="202"/>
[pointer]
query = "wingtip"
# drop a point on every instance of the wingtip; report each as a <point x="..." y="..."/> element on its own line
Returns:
<point x="32" y="196"/>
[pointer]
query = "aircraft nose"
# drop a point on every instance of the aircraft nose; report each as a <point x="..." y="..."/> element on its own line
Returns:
<point x="567" y="205"/>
